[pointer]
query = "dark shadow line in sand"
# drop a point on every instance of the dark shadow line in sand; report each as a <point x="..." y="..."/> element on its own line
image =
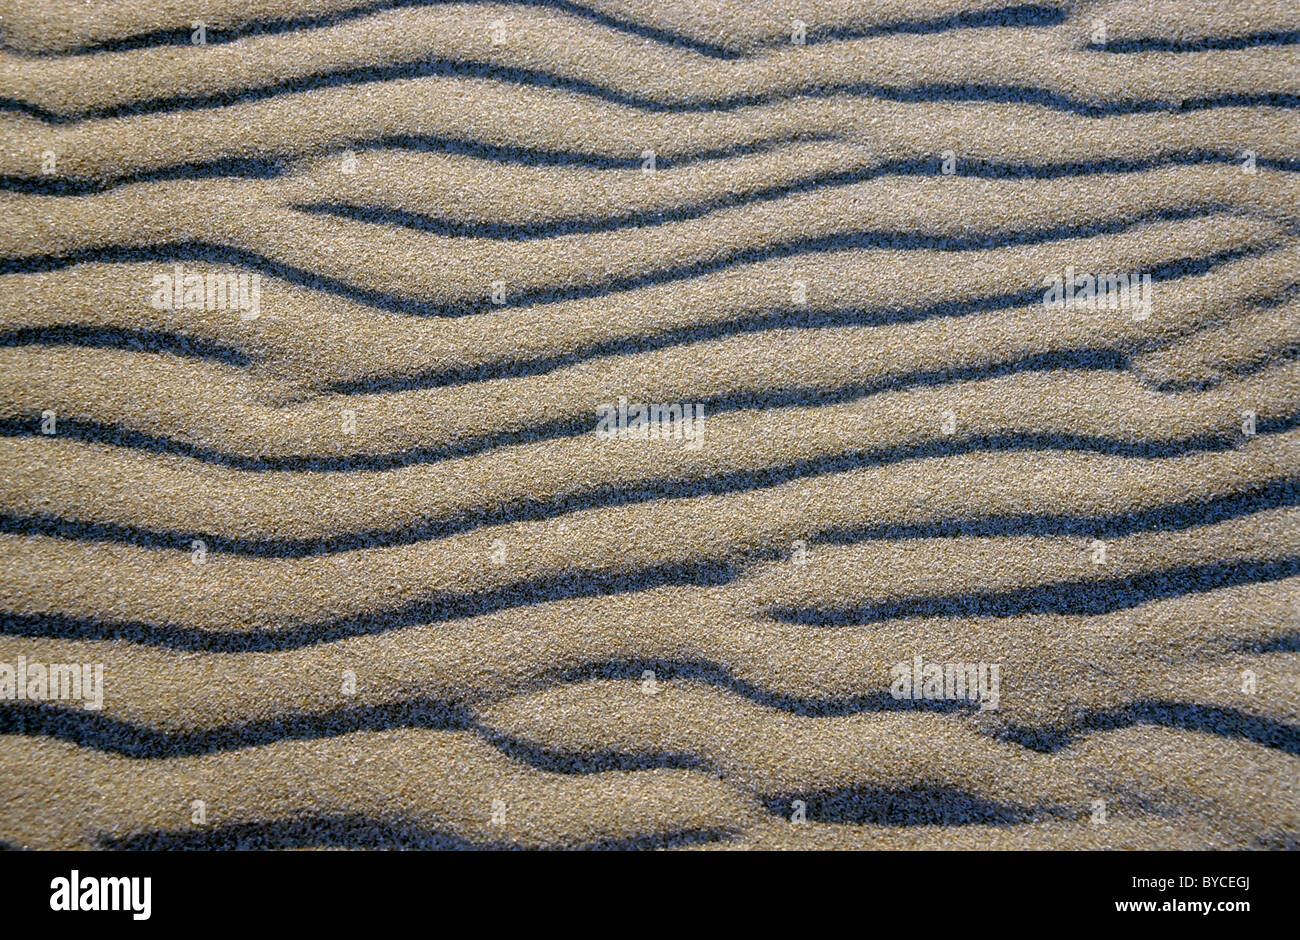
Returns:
<point x="73" y="428"/>
<point x="577" y="763"/>
<point x="721" y="677"/>
<point x="94" y="730"/>
<point x="452" y="606"/>
<point x="1279" y="491"/>
<point x="930" y="93"/>
<point x="922" y="805"/>
<point x="1204" y="44"/>
<point x="1264" y="360"/>
<point x="391" y="217"/>
<point x="202" y="252"/>
<point x="1278" y="840"/>
<point x="1023" y="15"/>
<point x="1084" y="597"/>
<point x="183" y="36"/>
<point x="754" y="321"/>
<point x="358" y="831"/>
<point x="111" y="337"/>
<point x="1283" y="491"/>
<point x="446" y="607"/>
<point x="1019" y="16"/>
<point x="745" y="322"/>
<point x="1221" y="721"/>
<point x="102" y="732"/>
<point x="243" y="168"/>
<point x="609" y="496"/>
<point x="762" y="320"/>
<point x="1282" y="643"/>
<point x="265" y="168"/>
<point x="270" y="168"/>
<point x="109" y="734"/>
<point x="585" y="225"/>
<point x="536" y="157"/>
<point x="757" y="321"/>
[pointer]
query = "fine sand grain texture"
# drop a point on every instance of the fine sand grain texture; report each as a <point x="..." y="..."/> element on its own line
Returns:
<point x="615" y="425"/>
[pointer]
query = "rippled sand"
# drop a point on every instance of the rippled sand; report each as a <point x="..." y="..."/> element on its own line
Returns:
<point x="360" y="572"/>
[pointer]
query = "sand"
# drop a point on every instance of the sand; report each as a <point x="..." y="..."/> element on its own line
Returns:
<point x="359" y="571"/>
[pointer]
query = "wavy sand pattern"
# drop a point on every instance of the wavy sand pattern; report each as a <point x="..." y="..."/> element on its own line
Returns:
<point x="360" y="572"/>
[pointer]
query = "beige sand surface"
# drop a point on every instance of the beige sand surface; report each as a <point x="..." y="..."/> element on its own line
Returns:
<point x="359" y="572"/>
